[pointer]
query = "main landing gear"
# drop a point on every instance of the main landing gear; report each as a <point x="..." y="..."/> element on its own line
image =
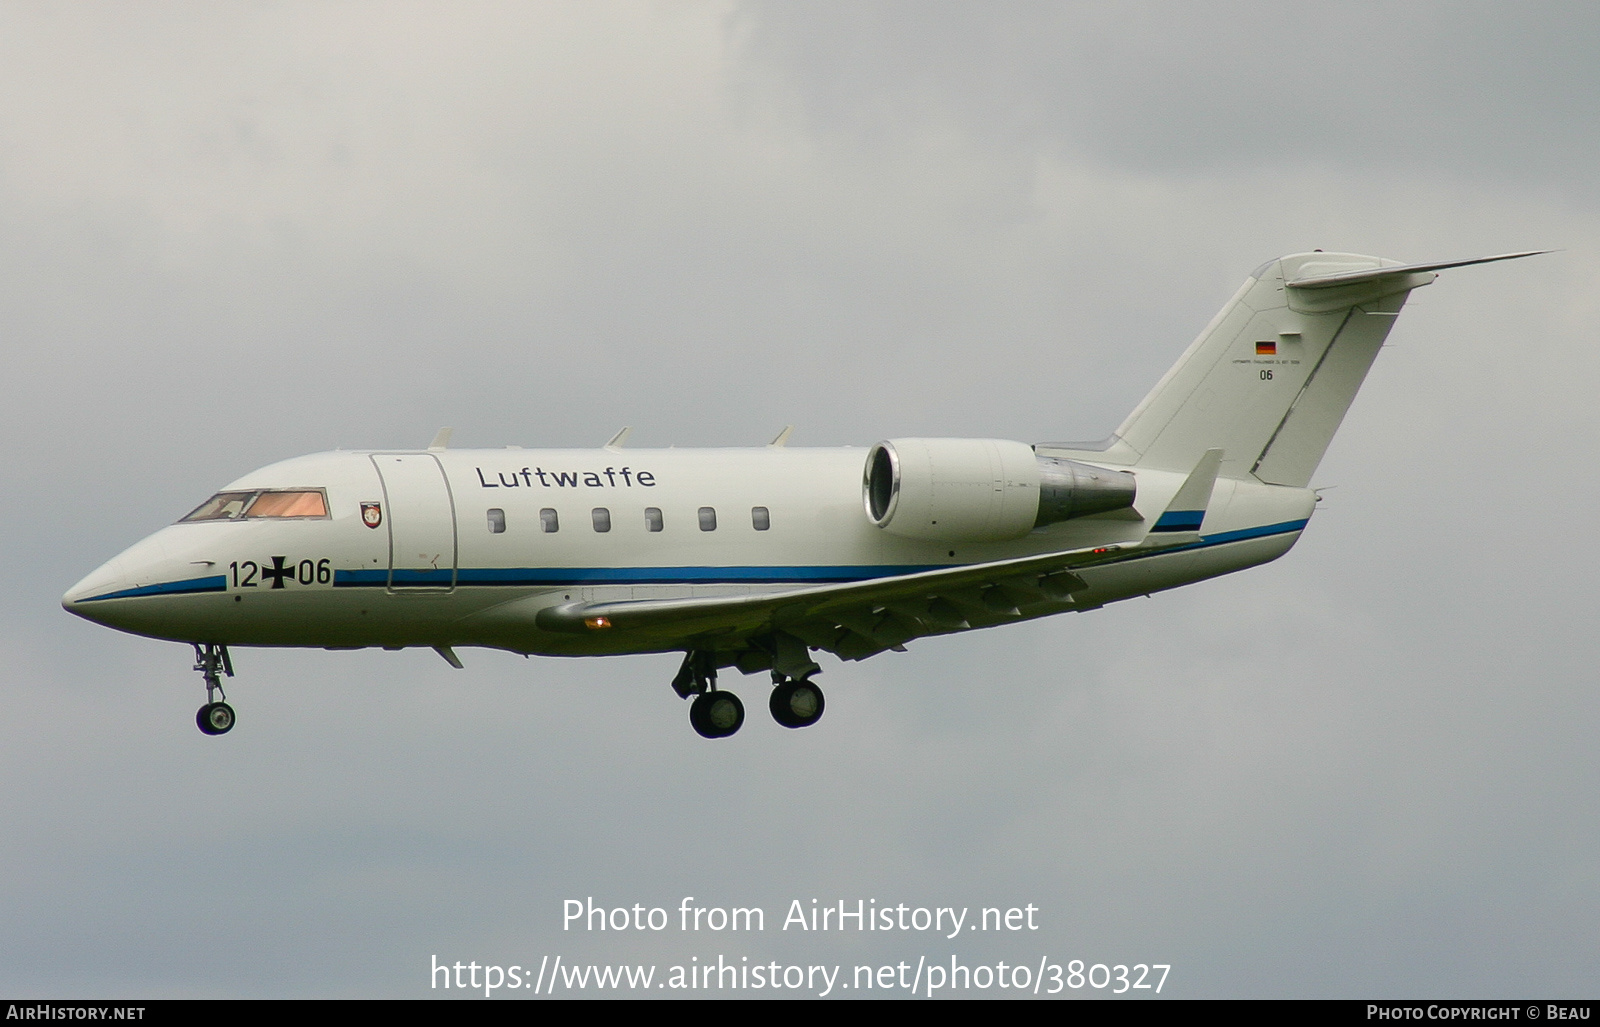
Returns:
<point x="212" y="661"/>
<point x="795" y="703"/>
<point x="716" y="713"/>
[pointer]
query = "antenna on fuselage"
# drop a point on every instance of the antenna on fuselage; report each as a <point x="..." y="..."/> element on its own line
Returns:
<point x="618" y="439"/>
<point x="441" y="440"/>
<point x="783" y="437"/>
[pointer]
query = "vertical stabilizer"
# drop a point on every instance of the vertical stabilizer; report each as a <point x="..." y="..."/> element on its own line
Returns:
<point x="1271" y="377"/>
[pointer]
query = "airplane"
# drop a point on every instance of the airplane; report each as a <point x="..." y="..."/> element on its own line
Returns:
<point x="754" y="559"/>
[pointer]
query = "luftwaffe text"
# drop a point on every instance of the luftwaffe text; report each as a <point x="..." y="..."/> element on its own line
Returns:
<point x="610" y="478"/>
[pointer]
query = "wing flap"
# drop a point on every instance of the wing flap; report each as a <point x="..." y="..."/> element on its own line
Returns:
<point x="856" y="619"/>
<point x="800" y="603"/>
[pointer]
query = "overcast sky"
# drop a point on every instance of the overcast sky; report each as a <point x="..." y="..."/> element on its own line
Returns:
<point x="232" y="234"/>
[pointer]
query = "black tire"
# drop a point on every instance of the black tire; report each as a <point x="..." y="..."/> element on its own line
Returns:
<point x="215" y="718"/>
<point x="797" y="704"/>
<point x="716" y="714"/>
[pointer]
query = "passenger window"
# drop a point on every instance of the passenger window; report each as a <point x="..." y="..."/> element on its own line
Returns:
<point x="548" y="520"/>
<point x="652" y="518"/>
<point x="708" y="518"/>
<point x="602" y="518"/>
<point x="497" y="521"/>
<point x="760" y="518"/>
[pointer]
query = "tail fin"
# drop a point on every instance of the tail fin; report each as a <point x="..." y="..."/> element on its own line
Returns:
<point x="1271" y="377"/>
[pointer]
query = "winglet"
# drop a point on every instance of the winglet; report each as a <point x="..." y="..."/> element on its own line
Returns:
<point x="618" y="439"/>
<point x="1181" y="521"/>
<point x="441" y="440"/>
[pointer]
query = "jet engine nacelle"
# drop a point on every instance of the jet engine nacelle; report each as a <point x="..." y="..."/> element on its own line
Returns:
<point x="981" y="490"/>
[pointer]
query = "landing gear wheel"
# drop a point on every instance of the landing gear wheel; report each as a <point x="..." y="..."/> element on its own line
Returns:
<point x="796" y="703"/>
<point x="212" y="661"/>
<point x="215" y="718"/>
<point x="716" y="714"/>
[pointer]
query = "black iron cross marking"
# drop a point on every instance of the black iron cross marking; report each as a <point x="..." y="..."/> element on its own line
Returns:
<point x="277" y="572"/>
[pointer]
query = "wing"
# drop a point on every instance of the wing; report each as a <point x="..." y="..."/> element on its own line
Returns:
<point x="856" y="619"/>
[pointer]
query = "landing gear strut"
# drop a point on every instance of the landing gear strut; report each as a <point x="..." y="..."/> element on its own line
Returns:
<point x="714" y="713"/>
<point x="212" y="661"/>
<point x="796" y="699"/>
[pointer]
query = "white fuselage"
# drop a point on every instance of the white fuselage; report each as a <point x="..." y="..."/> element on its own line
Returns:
<point x="436" y="572"/>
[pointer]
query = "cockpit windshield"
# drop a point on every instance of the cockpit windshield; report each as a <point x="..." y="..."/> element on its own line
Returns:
<point x="280" y="503"/>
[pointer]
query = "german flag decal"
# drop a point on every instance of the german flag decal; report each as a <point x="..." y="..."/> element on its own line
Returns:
<point x="1266" y="349"/>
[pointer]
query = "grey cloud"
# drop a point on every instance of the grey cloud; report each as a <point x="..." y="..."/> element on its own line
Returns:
<point x="1465" y="90"/>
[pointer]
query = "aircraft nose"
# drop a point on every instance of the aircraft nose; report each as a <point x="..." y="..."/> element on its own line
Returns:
<point x="103" y="580"/>
<point x="96" y="596"/>
<point x="146" y="589"/>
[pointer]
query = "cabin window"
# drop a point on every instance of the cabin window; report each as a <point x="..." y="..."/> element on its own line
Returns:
<point x="285" y="503"/>
<point x="548" y="520"/>
<point x="652" y="518"/>
<point x="497" y="521"/>
<point x="708" y="518"/>
<point x="602" y="518"/>
<point x="760" y="518"/>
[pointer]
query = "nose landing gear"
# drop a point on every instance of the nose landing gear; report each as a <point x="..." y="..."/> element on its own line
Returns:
<point x="212" y="661"/>
<point x="215" y="718"/>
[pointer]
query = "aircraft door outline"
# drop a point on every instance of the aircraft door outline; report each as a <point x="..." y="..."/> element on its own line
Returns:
<point x="421" y="518"/>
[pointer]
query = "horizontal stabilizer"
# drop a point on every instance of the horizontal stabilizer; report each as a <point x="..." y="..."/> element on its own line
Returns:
<point x="1373" y="274"/>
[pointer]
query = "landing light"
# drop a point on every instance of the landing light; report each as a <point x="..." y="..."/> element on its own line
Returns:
<point x="597" y="622"/>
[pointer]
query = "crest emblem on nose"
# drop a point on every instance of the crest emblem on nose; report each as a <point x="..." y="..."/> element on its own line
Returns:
<point x="371" y="514"/>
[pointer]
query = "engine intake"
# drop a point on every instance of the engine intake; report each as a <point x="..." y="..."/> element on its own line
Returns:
<point x="981" y="490"/>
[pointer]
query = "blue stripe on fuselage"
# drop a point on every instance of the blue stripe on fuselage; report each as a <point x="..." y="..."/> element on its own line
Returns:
<point x="555" y="577"/>
<point x="1224" y="537"/>
<point x="215" y="583"/>
<point x="560" y="576"/>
